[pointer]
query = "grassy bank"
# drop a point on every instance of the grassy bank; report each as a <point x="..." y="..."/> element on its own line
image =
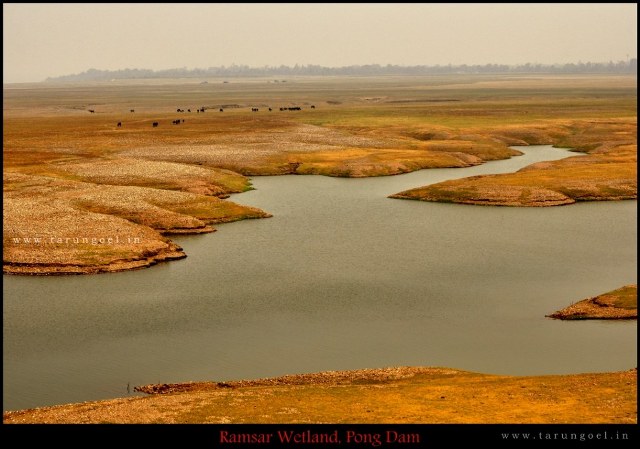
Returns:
<point x="392" y="395"/>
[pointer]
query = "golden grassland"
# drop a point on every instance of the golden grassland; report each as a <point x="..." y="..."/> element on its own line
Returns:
<point x="387" y="395"/>
<point x="619" y="304"/>
<point x="71" y="174"/>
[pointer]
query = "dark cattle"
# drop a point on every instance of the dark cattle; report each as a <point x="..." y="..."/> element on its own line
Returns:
<point x="269" y="109"/>
<point x="221" y="110"/>
<point x="202" y="109"/>
<point x="176" y="122"/>
<point x="182" y="120"/>
<point x="119" y="124"/>
<point x="133" y="110"/>
<point x="92" y="111"/>
<point x="188" y="110"/>
<point x="282" y="109"/>
<point x="155" y="124"/>
<point x="255" y="109"/>
<point x="313" y="106"/>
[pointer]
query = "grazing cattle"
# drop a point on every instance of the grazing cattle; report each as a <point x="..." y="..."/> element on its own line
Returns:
<point x="176" y="122"/>
<point x="202" y="109"/>
<point x="313" y="106"/>
<point x="221" y="110"/>
<point x="119" y="124"/>
<point x="92" y="111"/>
<point x="132" y="110"/>
<point x="255" y="109"/>
<point x="269" y="109"/>
<point x="155" y="124"/>
<point x="188" y="110"/>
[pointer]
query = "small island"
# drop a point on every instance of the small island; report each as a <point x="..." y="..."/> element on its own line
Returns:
<point x="620" y="304"/>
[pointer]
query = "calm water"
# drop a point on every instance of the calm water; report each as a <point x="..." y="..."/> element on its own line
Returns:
<point x="340" y="278"/>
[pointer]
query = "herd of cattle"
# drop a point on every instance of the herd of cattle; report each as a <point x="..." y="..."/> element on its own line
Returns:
<point x="202" y="109"/>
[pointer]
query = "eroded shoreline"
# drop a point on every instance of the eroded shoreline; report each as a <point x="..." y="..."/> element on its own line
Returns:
<point x="180" y="212"/>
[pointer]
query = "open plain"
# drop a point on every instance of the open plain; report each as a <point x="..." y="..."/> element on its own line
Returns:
<point x="98" y="177"/>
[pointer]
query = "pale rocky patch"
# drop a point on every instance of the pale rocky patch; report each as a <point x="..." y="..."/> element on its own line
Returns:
<point x="123" y="226"/>
<point x="167" y="175"/>
<point x="41" y="236"/>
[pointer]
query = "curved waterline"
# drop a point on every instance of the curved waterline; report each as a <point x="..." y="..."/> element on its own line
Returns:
<point x="341" y="277"/>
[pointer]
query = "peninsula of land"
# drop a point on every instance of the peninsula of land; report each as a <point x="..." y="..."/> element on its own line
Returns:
<point x="619" y="304"/>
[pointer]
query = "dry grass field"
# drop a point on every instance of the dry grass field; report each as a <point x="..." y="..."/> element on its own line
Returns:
<point x="101" y="197"/>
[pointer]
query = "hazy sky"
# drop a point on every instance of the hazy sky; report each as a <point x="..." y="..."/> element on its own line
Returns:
<point x="52" y="39"/>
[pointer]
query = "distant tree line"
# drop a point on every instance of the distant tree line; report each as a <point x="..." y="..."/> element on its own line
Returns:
<point x="620" y="67"/>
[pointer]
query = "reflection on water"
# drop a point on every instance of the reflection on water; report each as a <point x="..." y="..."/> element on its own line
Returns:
<point x="341" y="277"/>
